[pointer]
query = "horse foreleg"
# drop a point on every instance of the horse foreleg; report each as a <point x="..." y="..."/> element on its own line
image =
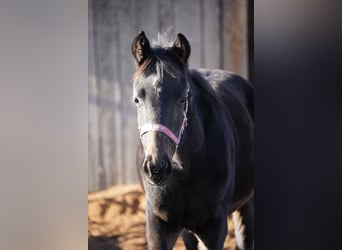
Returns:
<point x="190" y="240"/>
<point x="160" y="235"/>
<point x="214" y="233"/>
<point x="244" y="226"/>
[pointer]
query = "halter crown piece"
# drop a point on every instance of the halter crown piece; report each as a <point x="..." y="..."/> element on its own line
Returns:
<point x="149" y="127"/>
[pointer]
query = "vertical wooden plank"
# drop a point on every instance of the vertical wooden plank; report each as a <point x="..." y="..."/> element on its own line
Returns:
<point x="100" y="171"/>
<point x="165" y="14"/>
<point x="211" y="34"/>
<point x="147" y="17"/>
<point x="92" y="109"/>
<point x="188" y="21"/>
<point x="250" y="30"/>
<point x="105" y="46"/>
<point x="235" y="36"/>
<point x="243" y="17"/>
<point x="126" y="24"/>
<point x="118" y="146"/>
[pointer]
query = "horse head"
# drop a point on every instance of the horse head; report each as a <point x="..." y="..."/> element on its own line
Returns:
<point x="161" y="94"/>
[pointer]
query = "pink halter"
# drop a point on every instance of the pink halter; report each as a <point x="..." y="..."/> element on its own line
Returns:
<point x="148" y="127"/>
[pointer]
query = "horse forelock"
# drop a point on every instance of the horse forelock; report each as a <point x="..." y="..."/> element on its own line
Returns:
<point x="165" y="38"/>
<point x="158" y="63"/>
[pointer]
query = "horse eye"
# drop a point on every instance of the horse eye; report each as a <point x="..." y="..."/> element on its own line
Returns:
<point x="182" y="101"/>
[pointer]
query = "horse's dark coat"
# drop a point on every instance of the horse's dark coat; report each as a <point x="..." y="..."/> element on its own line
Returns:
<point x="215" y="155"/>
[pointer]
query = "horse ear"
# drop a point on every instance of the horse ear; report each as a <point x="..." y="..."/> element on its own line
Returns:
<point x="182" y="47"/>
<point x="141" y="48"/>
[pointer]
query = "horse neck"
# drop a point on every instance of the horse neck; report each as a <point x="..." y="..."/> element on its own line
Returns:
<point x="204" y="106"/>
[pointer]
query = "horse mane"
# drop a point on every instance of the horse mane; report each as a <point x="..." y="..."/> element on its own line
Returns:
<point x="205" y="88"/>
<point x="213" y="112"/>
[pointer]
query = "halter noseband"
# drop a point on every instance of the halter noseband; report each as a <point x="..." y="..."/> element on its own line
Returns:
<point x="149" y="127"/>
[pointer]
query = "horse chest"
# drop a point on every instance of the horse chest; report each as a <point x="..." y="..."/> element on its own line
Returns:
<point x="165" y="205"/>
<point x="185" y="209"/>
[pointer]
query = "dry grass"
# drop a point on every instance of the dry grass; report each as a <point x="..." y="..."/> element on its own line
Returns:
<point x="116" y="220"/>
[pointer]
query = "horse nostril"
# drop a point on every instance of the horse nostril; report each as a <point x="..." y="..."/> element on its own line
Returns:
<point x="157" y="169"/>
<point x="163" y="164"/>
<point x="157" y="172"/>
<point x="147" y="168"/>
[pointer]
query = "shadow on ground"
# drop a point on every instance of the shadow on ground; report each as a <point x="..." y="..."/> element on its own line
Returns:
<point x="103" y="243"/>
<point x="116" y="220"/>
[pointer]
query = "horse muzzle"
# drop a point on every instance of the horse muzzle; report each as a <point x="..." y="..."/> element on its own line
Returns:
<point x="157" y="172"/>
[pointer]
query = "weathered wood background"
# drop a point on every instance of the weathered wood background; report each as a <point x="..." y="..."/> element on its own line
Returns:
<point x="218" y="32"/>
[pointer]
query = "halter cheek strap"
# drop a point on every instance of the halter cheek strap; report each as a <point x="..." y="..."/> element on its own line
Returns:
<point x="149" y="127"/>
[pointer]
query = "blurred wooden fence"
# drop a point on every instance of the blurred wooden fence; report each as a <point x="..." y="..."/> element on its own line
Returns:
<point x="218" y="34"/>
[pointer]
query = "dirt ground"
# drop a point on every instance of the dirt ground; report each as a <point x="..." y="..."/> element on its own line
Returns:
<point x="116" y="220"/>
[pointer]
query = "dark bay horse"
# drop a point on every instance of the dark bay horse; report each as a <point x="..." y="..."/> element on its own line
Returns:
<point x="196" y="156"/>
